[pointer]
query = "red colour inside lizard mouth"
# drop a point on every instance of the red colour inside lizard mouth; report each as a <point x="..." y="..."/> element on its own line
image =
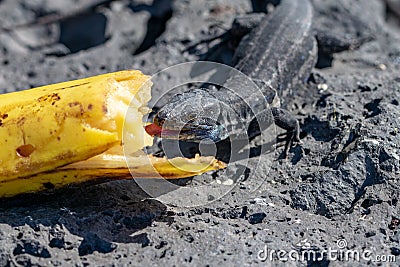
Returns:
<point x="156" y="130"/>
<point x="153" y="129"/>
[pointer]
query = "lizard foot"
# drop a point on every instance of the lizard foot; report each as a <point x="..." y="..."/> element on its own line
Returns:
<point x="288" y="122"/>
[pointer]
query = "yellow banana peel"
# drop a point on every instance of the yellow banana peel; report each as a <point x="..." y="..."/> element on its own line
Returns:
<point x="87" y="130"/>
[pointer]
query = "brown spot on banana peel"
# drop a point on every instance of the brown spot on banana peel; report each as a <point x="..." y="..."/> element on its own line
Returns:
<point x="25" y="150"/>
<point x="2" y="118"/>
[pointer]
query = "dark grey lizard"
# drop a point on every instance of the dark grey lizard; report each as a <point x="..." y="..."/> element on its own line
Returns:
<point x="277" y="55"/>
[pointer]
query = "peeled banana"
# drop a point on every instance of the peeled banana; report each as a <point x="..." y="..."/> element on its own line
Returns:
<point x="84" y="130"/>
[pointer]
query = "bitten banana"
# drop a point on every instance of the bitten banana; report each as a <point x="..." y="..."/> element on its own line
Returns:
<point x="76" y="131"/>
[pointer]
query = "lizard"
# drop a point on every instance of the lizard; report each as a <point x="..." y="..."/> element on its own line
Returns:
<point x="276" y="55"/>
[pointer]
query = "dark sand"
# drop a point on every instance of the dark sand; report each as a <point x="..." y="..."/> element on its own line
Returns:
<point x="341" y="184"/>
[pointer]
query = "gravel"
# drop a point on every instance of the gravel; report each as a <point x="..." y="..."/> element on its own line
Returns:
<point x="339" y="190"/>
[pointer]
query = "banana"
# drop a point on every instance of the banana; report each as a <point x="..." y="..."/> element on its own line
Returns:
<point x="87" y="130"/>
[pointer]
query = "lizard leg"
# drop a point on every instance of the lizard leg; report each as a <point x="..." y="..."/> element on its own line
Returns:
<point x="287" y="121"/>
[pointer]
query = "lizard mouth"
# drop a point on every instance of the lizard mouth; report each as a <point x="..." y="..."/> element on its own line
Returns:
<point x="157" y="130"/>
<point x="189" y="132"/>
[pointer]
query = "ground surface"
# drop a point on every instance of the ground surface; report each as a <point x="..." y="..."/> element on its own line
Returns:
<point x="341" y="185"/>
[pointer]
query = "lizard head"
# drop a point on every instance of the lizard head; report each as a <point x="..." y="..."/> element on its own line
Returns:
<point x="190" y="116"/>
